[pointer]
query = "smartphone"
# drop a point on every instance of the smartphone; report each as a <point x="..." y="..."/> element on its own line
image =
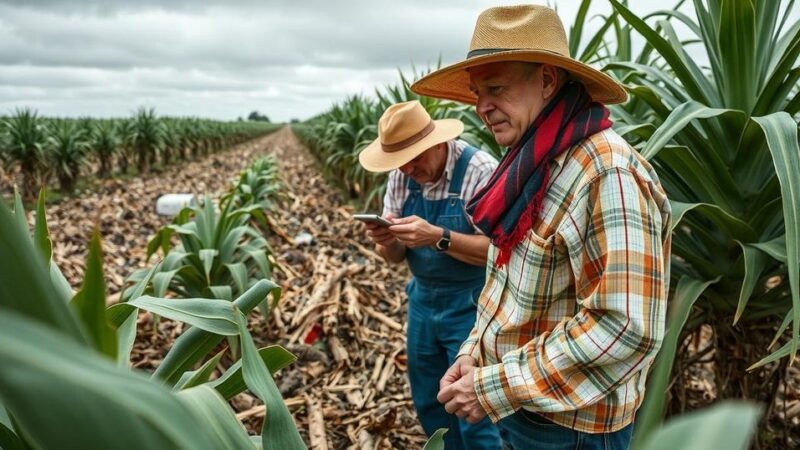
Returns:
<point x="373" y="218"/>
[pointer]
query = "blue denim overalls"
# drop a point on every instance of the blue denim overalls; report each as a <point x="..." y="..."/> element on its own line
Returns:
<point x="441" y="312"/>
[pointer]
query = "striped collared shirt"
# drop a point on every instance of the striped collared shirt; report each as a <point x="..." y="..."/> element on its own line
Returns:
<point x="480" y="168"/>
<point x="570" y="326"/>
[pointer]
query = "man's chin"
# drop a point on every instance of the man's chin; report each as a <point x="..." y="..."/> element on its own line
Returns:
<point x="503" y="139"/>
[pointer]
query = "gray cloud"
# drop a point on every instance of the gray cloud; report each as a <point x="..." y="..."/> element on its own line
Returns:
<point x="223" y="58"/>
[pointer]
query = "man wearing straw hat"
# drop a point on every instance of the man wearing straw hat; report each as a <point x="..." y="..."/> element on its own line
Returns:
<point x="431" y="175"/>
<point x="574" y="305"/>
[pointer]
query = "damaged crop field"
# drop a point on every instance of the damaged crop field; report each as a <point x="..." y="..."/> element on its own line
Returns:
<point x="175" y="282"/>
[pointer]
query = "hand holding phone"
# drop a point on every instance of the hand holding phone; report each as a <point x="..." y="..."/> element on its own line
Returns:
<point x="373" y="218"/>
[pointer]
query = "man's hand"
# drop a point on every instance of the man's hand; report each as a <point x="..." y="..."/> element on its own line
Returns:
<point x="379" y="234"/>
<point x="459" y="398"/>
<point x="461" y="365"/>
<point x="415" y="232"/>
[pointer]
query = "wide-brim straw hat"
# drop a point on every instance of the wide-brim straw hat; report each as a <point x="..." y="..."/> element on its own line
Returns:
<point x="527" y="33"/>
<point x="406" y="130"/>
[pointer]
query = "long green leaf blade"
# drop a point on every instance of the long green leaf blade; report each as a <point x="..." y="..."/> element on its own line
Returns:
<point x="232" y="382"/>
<point x="279" y="431"/>
<point x="780" y="130"/>
<point x="727" y="425"/>
<point x="64" y="396"/>
<point x="207" y="314"/>
<point x="686" y="294"/>
<point x="90" y="302"/>
<point x="25" y="283"/>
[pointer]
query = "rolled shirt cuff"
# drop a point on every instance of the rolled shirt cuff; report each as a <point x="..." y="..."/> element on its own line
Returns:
<point x="491" y="387"/>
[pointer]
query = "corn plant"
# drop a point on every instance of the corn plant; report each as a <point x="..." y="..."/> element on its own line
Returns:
<point x="24" y="146"/>
<point x="66" y="382"/>
<point x="724" y="141"/>
<point x="147" y="138"/>
<point x="219" y="256"/>
<point x="260" y="184"/>
<point x="66" y="151"/>
<point x="105" y="142"/>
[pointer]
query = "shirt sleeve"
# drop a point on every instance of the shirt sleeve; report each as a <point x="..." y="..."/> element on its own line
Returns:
<point x="470" y="345"/>
<point x="483" y="166"/>
<point x="392" y="198"/>
<point x="619" y="259"/>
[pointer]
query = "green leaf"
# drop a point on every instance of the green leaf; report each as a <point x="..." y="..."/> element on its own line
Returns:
<point x="279" y="431"/>
<point x="695" y="85"/>
<point x="780" y="130"/>
<point x="686" y="294"/>
<point x="201" y="375"/>
<point x="734" y="227"/>
<point x="230" y="243"/>
<point x="84" y="400"/>
<point x="8" y="438"/>
<point x="195" y="343"/>
<point x="126" y="336"/>
<point x="677" y="121"/>
<point x="207" y="255"/>
<point x="19" y="213"/>
<point x="41" y="235"/>
<point x="138" y="288"/>
<point x="206" y="403"/>
<point x="221" y="292"/>
<point x="755" y="262"/>
<point x="90" y="301"/>
<point x="728" y="425"/>
<point x="784" y="325"/>
<point x="737" y="52"/>
<point x="211" y="315"/>
<point x="161" y="282"/>
<point x="775" y="248"/>
<point x="238" y="272"/>
<point x="436" y="442"/>
<point x="232" y="383"/>
<point x="25" y="283"/>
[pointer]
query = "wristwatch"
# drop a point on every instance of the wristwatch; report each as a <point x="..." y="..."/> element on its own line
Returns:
<point x="444" y="243"/>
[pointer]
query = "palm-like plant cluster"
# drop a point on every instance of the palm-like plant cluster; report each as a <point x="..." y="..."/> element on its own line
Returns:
<point x="92" y="398"/>
<point x="42" y="148"/>
<point x="337" y="136"/>
<point x="221" y="251"/>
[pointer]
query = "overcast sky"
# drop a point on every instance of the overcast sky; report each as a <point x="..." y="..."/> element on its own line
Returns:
<point x="223" y="59"/>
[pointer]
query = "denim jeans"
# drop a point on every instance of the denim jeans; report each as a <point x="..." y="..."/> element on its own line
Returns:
<point x="439" y="320"/>
<point x="525" y="430"/>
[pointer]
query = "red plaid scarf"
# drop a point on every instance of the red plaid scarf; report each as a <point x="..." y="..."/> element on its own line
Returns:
<point x="506" y="207"/>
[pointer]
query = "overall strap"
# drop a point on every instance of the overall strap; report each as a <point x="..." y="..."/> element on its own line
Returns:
<point x="412" y="185"/>
<point x="460" y="170"/>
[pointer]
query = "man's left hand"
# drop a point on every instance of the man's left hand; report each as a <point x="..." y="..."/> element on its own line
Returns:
<point x="460" y="399"/>
<point x="414" y="232"/>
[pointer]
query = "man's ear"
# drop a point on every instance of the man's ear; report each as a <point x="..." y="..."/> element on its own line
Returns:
<point x="550" y="81"/>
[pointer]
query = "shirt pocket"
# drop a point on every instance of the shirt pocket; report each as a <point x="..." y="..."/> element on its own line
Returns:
<point x="538" y="273"/>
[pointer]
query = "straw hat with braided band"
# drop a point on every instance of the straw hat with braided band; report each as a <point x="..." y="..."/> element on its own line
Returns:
<point x="405" y="131"/>
<point x="528" y="33"/>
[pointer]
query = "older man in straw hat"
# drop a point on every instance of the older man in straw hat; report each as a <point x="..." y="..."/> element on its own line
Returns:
<point x="573" y="309"/>
<point x="431" y="175"/>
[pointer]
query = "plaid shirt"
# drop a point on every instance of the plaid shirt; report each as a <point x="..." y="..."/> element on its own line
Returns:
<point x="570" y="326"/>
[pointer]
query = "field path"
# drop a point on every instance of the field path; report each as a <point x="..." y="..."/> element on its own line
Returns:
<point x="342" y="311"/>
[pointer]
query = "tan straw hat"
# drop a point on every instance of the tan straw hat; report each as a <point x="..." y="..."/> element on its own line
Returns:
<point x="531" y="33"/>
<point x="405" y="130"/>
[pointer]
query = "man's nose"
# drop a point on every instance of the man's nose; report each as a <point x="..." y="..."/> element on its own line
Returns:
<point x="483" y="106"/>
<point x="406" y="168"/>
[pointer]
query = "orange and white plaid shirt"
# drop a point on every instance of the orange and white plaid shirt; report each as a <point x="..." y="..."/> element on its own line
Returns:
<point x="570" y="326"/>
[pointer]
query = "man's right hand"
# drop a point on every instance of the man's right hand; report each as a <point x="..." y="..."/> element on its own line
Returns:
<point x="457" y="370"/>
<point x="379" y="234"/>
